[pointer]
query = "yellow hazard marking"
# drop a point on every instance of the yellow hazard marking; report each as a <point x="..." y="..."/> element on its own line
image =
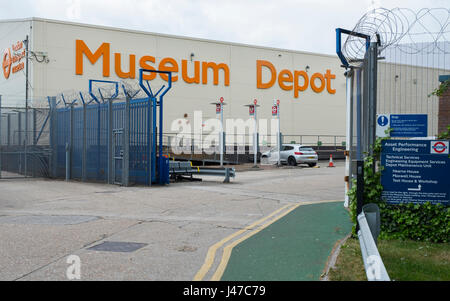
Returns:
<point x="227" y="250"/>
<point x="209" y="260"/>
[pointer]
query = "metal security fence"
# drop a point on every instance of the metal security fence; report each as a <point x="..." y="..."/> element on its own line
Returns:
<point x="85" y="135"/>
<point x="24" y="142"/>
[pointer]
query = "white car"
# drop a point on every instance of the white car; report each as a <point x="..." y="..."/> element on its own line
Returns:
<point x="293" y="154"/>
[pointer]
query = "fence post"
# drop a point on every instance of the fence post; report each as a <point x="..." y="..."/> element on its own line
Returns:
<point x="84" y="155"/>
<point x="67" y="162"/>
<point x="71" y="120"/>
<point x="19" y="128"/>
<point x="33" y="164"/>
<point x="34" y="126"/>
<point x="8" y="129"/>
<point x="110" y="143"/>
<point x="53" y="140"/>
<point x="126" y="144"/>
<point x="150" y="149"/>
<point x="98" y="140"/>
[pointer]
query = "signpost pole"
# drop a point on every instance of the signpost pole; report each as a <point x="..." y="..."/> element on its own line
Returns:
<point x="26" y="104"/>
<point x="221" y="132"/>
<point x="255" y="139"/>
<point x="278" y="134"/>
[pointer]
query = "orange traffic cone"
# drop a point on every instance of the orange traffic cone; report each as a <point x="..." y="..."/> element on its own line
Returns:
<point x="331" y="164"/>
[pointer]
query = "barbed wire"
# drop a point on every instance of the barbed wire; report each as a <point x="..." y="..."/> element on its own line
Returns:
<point x="425" y="31"/>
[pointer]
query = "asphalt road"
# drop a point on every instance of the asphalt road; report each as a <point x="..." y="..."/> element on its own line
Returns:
<point x="43" y="222"/>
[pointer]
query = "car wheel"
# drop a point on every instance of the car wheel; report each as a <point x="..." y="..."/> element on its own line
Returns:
<point x="312" y="164"/>
<point x="292" y="161"/>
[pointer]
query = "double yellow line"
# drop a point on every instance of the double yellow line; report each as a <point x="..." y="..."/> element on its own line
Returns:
<point x="256" y="227"/>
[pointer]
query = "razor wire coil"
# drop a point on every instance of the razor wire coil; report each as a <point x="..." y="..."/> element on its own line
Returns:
<point x="426" y="31"/>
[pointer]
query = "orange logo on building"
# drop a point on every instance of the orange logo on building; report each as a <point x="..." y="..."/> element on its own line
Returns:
<point x="10" y="59"/>
<point x="216" y="70"/>
<point x="7" y="63"/>
<point x="288" y="80"/>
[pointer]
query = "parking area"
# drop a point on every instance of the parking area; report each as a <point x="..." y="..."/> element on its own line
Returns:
<point x="177" y="232"/>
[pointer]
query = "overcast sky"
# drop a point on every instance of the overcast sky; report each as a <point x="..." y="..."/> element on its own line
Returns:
<point x="305" y="25"/>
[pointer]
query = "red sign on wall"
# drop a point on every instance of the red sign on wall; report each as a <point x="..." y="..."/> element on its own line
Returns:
<point x="251" y="110"/>
<point x="274" y="110"/>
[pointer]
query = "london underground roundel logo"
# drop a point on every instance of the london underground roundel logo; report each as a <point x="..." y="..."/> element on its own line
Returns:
<point x="7" y="62"/>
<point x="439" y="147"/>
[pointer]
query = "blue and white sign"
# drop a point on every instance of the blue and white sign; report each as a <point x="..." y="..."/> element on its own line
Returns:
<point x="409" y="125"/>
<point x="402" y="125"/>
<point x="382" y="125"/>
<point x="415" y="171"/>
<point x="383" y="120"/>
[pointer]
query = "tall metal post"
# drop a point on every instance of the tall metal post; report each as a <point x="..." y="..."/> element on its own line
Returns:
<point x="359" y="151"/>
<point x="126" y="145"/>
<point x="53" y="140"/>
<point x="277" y="103"/>
<point x="26" y="105"/>
<point x="98" y="139"/>
<point x="349" y="135"/>
<point x="219" y="106"/>
<point x="111" y="159"/>
<point x="161" y="158"/>
<point x="253" y="112"/>
<point x="84" y="154"/>
<point x="372" y="61"/>
<point x="150" y="149"/>
<point x="359" y="124"/>
<point x="34" y="126"/>
<point x="154" y="138"/>
<point x="221" y="140"/>
<point x="8" y="129"/>
<point x="33" y="168"/>
<point x="69" y="146"/>
<point x="19" y="128"/>
<point x="255" y="138"/>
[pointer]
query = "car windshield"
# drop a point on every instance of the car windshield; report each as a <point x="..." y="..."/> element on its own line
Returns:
<point x="306" y="149"/>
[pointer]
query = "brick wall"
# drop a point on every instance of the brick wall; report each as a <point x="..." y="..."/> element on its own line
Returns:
<point x="444" y="112"/>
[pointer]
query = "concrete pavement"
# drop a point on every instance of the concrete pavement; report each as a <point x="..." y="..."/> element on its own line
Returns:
<point x="42" y="222"/>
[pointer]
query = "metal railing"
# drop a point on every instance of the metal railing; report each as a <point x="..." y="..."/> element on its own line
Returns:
<point x="375" y="269"/>
<point x="265" y="141"/>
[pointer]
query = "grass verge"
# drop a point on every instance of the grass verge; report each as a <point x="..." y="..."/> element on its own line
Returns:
<point x="404" y="261"/>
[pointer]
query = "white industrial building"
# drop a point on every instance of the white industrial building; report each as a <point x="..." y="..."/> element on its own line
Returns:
<point x="311" y="87"/>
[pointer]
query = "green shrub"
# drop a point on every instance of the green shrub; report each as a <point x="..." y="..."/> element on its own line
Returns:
<point x="420" y="222"/>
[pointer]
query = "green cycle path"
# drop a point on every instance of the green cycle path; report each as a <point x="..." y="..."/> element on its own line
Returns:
<point x="295" y="247"/>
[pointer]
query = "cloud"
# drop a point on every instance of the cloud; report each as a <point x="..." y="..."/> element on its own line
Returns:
<point x="306" y="25"/>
